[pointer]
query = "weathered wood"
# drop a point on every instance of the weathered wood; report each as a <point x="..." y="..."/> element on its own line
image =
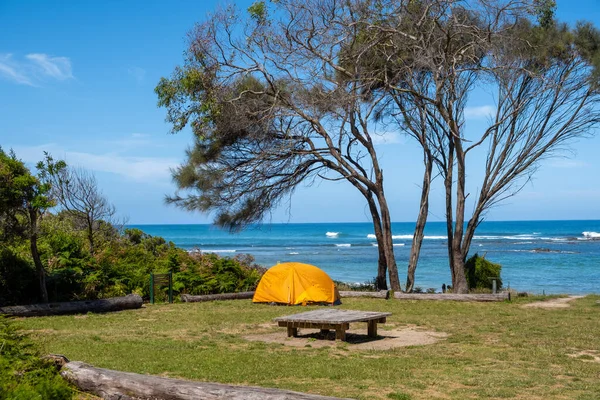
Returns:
<point x="112" y="385"/>
<point x="333" y="316"/>
<point x="453" y="296"/>
<point x="213" y="297"/>
<point x="131" y="301"/>
<point x="326" y="319"/>
<point x="382" y="294"/>
<point x="372" y="328"/>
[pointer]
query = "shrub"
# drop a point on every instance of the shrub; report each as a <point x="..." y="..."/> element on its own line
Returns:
<point x="480" y="272"/>
<point x="18" y="280"/>
<point x="23" y="374"/>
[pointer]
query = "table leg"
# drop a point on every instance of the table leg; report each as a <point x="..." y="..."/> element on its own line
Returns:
<point x="292" y="331"/>
<point x="372" y="328"/>
<point x="340" y="333"/>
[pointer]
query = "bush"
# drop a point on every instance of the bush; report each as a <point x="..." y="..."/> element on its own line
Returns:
<point x="18" y="279"/>
<point x="120" y="265"/>
<point x="480" y="272"/>
<point x="23" y="374"/>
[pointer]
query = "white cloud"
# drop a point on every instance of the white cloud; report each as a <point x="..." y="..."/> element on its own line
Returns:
<point x="11" y="70"/>
<point x="35" y="68"/>
<point x="479" y="112"/>
<point x="386" y="138"/>
<point x="138" y="73"/>
<point x="54" y="67"/>
<point x="151" y="170"/>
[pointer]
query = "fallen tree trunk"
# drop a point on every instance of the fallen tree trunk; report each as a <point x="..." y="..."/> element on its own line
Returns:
<point x="75" y="307"/>
<point x="211" y="297"/>
<point x="382" y="294"/>
<point x="453" y="296"/>
<point x="110" y="385"/>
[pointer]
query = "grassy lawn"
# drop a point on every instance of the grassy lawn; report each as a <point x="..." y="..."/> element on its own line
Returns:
<point x="496" y="350"/>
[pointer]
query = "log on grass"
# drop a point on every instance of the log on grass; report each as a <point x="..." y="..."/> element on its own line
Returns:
<point x="213" y="297"/>
<point x="130" y="301"/>
<point x="382" y="294"/>
<point x="110" y="384"/>
<point x="453" y="296"/>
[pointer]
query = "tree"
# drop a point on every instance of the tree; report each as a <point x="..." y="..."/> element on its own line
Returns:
<point x="76" y="191"/>
<point x="23" y="200"/>
<point x="271" y="107"/>
<point x="432" y="54"/>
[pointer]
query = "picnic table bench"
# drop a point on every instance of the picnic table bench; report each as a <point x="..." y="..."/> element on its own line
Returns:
<point x="330" y="318"/>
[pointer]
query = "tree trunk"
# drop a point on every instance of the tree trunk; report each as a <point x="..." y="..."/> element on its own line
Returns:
<point x="381" y="279"/>
<point x="110" y="384"/>
<point x="449" y="213"/>
<point x="90" y="234"/>
<point x="222" y="296"/>
<point x="131" y="301"/>
<point x="453" y="296"/>
<point x="389" y="244"/>
<point x="41" y="272"/>
<point x="382" y="294"/>
<point x="415" y="249"/>
<point x="459" y="279"/>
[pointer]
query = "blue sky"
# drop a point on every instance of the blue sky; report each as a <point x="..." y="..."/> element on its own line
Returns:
<point x="77" y="80"/>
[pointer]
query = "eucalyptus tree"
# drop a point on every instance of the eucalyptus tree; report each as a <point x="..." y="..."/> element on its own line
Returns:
<point x="433" y="54"/>
<point x="271" y="106"/>
<point x="24" y="198"/>
<point x="77" y="193"/>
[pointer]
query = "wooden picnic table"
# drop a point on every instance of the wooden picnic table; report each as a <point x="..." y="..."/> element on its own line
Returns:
<point x="331" y="318"/>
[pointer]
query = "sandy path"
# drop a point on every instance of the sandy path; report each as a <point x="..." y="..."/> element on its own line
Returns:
<point x="357" y="339"/>
<point x="562" y="302"/>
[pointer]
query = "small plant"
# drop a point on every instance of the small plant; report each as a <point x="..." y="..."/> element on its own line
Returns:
<point x="430" y="290"/>
<point x="480" y="273"/>
<point x="23" y="374"/>
<point x="398" y="396"/>
<point x="418" y="289"/>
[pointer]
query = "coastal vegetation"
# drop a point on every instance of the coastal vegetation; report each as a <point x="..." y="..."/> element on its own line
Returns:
<point x="72" y="254"/>
<point x="291" y="93"/>
<point x="23" y="373"/>
<point x="498" y="350"/>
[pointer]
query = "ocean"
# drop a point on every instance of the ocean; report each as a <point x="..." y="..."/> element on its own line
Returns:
<point x="551" y="257"/>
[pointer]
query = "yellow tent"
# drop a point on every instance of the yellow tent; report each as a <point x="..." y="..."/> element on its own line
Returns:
<point x="296" y="283"/>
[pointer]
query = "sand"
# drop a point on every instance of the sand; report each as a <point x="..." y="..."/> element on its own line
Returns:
<point x="356" y="339"/>
<point x="562" y="302"/>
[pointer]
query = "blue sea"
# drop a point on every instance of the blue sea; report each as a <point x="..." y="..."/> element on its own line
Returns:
<point x="549" y="257"/>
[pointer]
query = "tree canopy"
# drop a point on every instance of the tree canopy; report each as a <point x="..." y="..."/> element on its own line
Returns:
<point x="289" y="93"/>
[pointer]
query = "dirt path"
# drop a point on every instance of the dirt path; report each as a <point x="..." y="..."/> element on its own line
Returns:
<point x="357" y="339"/>
<point x="562" y="302"/>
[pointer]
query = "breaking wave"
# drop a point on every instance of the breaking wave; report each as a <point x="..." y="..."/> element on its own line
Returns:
<point x="343" y="245"/>
<point x="332" y="234"/>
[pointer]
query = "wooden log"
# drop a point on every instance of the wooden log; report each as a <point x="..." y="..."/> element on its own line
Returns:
<point x="110" y="385"/>
<point x="382" y="294"/>
<point x="130" y="301"/>
<point x="453" y="296"/>
<point x="212" y="297"/>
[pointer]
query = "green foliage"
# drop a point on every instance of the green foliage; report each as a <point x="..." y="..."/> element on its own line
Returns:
<point x="23" y="374"/>
<point x="399" y="396"/>
<point x="18" y="283"/>
<point x="122" y="265"/>
<point x="258" y="11"/>
<point x="479" y="272"/>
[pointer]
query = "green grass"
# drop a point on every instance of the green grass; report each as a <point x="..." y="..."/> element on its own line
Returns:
<point x="494" y="350"/>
